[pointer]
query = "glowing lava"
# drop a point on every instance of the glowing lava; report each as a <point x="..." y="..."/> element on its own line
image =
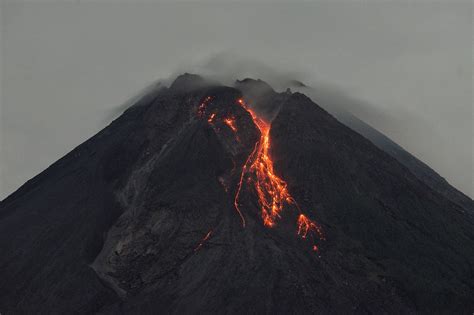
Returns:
<point x="203" y="105"/>
<point x="208" y="235"/>
<point x="231" y="123"/>
<point x="272" y="191"/>
<point x="211" y="118"/>
<point x="306" y="227"/>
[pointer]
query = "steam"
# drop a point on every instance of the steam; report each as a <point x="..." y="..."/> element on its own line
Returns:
<point x="228" y="67"/>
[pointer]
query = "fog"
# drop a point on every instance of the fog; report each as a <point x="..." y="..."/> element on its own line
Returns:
<point x="67" y="68"/>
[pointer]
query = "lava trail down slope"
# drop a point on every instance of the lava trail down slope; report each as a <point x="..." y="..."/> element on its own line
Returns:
<point x="272" y="191"/>
<point x="202" y="198"/>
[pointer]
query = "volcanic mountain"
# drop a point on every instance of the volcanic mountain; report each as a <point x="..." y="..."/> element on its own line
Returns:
<point x="203" y="198"/>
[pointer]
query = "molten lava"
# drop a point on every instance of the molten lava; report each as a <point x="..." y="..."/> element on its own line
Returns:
<point x="203" y="105"/>
<point x="306" y="228"/>
<point x="231" y="123"/>
<point x="211" y="118"/>
<point x="208" y="235"/>
<point x="271" y="190"/>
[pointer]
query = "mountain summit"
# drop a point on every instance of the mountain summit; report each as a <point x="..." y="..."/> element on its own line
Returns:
<point x="202" y="198"/>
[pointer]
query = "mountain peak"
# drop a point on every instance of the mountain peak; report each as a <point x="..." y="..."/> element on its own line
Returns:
<point x="187" y="82"/>
<point x="255" y="86"/>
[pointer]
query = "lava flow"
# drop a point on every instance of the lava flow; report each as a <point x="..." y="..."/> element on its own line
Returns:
<point x="271" y="190"/>
<point x="208" y="235"/>
<point x="231" y="123"/>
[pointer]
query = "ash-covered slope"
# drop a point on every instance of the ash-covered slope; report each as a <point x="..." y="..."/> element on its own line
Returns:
<point x="422" y="171"/>
<point x="143" y="217"/>
<point x="341" y="106"/>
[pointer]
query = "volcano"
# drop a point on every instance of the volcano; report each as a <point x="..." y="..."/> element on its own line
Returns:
<point x="203" y="198"/>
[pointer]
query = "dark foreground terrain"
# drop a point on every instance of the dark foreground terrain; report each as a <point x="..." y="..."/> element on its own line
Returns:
<point x="141" y="218"/>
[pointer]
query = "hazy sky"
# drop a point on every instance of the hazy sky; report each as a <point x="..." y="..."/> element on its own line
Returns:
<point x="67" y="65"/>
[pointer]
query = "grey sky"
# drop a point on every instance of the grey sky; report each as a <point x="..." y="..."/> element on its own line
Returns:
<point x="65" y="66"/>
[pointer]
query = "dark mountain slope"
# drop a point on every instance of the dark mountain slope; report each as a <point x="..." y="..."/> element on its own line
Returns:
<point x="53" y="226"/>
<point x="417" y="167"/>
<point x="411" y="232"/>
<point x="342" y="107"/>
<point x="141" y="219"/>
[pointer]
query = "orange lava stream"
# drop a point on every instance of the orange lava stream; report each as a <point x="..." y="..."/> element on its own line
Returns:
<point x="306" y="227"/>
<point x="245" y="168"/>
<point x="208" y="235"/>
<point x="203" y="105"/>
<point x="272" y="191"/>
<point x="231" y="123"/>
<point x="211" y="118"/>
